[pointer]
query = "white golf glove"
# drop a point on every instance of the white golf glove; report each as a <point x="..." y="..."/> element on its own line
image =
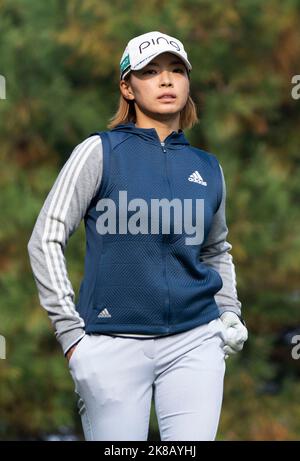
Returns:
<point x="235" y="333"/>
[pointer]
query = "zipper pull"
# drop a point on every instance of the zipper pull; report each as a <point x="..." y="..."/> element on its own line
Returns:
<point x="163" y="146"/>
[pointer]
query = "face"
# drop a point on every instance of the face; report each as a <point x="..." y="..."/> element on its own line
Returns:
<point x="165" y="74"/>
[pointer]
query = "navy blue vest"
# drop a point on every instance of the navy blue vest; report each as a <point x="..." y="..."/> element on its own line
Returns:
<point x="151" y="282"/>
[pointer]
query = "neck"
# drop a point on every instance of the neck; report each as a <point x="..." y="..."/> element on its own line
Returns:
<point x="163" y="128"/>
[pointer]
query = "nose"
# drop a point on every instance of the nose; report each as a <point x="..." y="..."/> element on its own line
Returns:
<point x="165" y="78"/>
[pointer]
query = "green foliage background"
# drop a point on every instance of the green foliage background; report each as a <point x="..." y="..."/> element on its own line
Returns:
<point x="60" y="61"/>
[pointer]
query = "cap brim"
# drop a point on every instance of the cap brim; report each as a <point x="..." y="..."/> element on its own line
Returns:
<point x="167" y="50"/>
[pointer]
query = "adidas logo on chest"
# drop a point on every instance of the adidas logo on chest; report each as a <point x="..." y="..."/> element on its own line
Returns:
<point x="196" y="177"/>
<point x="104" y="314"/>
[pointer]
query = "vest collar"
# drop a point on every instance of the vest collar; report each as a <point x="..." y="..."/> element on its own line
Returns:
<point x="176" y="140"/>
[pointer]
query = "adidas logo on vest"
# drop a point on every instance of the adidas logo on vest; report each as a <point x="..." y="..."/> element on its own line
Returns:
<point x="104" y="314"/>
<point x="196" y="177"/>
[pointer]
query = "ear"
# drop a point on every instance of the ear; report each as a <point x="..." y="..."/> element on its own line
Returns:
<point x="126" y="90"/>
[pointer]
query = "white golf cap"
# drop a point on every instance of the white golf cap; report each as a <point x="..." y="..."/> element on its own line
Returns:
<point x="142" y="49"/>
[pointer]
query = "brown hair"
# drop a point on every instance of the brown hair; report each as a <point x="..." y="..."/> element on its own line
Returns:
<point x="126" y="113"/>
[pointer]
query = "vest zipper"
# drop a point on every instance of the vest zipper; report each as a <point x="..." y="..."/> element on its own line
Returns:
<point x="165" y="239"/>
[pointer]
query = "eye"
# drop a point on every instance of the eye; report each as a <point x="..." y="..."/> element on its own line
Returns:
<point x="176" y="69"/>
<point x="148" y="71"/>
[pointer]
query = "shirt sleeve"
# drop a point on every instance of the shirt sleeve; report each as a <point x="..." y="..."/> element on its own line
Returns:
<point x="61" y="214"/>
<point x="215" y="253"/>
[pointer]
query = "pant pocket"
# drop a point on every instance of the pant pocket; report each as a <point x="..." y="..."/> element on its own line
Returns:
<point x="219" y="329"/>
<point x="222" y="330"/>
<point x="78" y="349"/>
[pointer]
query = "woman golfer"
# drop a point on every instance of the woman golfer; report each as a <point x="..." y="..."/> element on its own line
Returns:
<point x="157" y="311"/>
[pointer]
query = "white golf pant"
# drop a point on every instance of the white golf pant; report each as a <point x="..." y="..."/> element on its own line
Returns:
<point x="115" y="378"/>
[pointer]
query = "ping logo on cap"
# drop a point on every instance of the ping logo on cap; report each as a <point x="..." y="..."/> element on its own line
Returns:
<point x="145" y="44"/>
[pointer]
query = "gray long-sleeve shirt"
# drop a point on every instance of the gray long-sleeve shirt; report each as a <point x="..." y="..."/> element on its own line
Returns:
<point x="61" y="214"/>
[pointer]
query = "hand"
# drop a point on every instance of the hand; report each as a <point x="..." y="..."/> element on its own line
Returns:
<point x="235" y="333"/>
<point x="72" y="349"/>
<point x="70" y="352"/>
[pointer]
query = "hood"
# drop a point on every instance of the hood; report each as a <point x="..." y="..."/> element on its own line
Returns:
<point x="175" y="140"/>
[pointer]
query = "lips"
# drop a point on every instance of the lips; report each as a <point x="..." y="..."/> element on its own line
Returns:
<point x="167" y="96"/>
